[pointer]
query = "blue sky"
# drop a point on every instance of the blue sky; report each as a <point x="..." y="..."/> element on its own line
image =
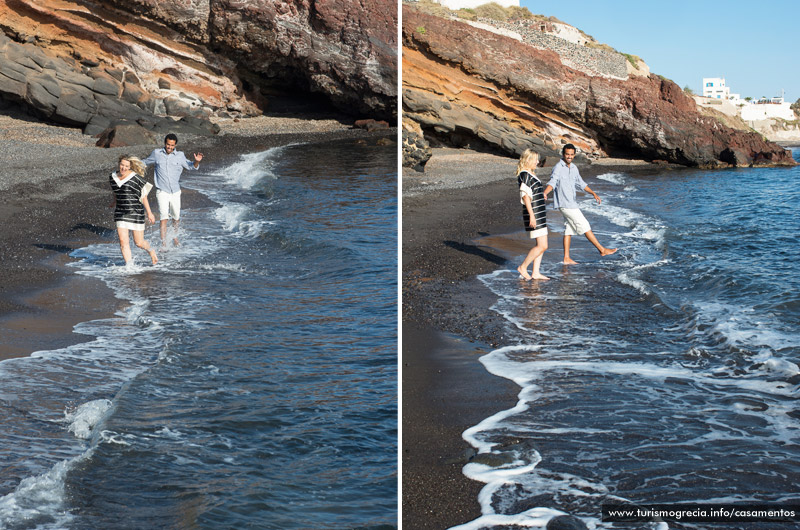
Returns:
<point x="750" y="44"/>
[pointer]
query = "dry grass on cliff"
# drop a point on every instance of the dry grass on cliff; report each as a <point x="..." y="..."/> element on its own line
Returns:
<point x="490" y="10"/>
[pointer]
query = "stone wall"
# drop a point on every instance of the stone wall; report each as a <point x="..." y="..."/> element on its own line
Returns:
<point x="591" y="61"/>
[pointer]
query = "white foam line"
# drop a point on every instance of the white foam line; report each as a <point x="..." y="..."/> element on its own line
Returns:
<point x="496" y="361"/>
<point x="533" y="518"/>
<point x="616" y="178"/>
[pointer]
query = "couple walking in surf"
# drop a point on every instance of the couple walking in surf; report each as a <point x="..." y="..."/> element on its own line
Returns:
<point x="131" y="207"/>
<point x="565" y="179"/>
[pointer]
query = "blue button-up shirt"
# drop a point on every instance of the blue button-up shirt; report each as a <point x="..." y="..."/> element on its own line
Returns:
<point x="168" y="168"/>
<point x="565" y="180"/>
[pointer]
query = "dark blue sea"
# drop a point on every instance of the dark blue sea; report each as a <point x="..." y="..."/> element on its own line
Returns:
<point x="665" y="374"/>
<point x="250" y="381"/>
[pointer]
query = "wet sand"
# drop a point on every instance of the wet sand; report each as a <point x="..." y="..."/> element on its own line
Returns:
<point x="447" y="325"/>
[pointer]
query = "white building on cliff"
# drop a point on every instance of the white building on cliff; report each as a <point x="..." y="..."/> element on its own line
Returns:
<point x="717" y="95"/>
<point x="714" y="87"/>
<point x="471" y="4"/>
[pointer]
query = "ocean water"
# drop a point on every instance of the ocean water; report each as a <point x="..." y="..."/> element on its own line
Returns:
<point x="665" y="374"/>
<point x="250" y="382"/>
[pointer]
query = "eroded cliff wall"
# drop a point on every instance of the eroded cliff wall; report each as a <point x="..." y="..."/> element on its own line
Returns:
<point x="469" y="87"/>
<point x="88" y="62"/>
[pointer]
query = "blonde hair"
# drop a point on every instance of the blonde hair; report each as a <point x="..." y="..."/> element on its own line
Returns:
<point x="137" y="166"/>
<point x="528" y="161"/>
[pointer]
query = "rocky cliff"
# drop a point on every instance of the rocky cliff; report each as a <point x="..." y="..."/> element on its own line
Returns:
<point x="90" y="62"/>
<point x="469" y="87"/>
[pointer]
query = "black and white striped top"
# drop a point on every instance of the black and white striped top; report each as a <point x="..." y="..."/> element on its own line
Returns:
<point x="129" y="209"/>
<point x="532" y="187"/>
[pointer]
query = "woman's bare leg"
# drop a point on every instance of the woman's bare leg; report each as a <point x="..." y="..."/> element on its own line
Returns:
<point x="534" y="256"/>
<point x="138" y="238"/>
<point x="124" y="244"/>
<point x="541" y="245"/>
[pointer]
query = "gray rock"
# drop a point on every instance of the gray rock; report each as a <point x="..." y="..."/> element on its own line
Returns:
<point x="97" y="124"/>
<point x="43" y="94"/>
<point x="126" y="135"/>
<point x="115" y="73"/>
<point x="74" y="78"/>
<point x="11" y="88"/>
<point x="416" y="151"/>
<point x="177" y="107"/>
<point x="107" y="85"/>
<point x="13" y="70"/>
<point x="565" y="522"/>
<point x="131" y="78"/>
<point x="75" y="107"/>
<point x="116" y="108"/>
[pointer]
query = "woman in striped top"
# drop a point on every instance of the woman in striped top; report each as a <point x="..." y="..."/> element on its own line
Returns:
<point x="534" y="216"/>
<point x="130" y="205"/>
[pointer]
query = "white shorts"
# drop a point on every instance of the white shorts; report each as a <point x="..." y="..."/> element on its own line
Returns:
<point x="130" y="226"/>
<point x="169" y="204"/>
<point x="538" y="232"/>
<point x="576" y="223"/>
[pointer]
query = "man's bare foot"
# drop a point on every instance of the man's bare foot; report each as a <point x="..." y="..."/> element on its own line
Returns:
<point x="570" y="261"/>
<point x="540" y="277"/>
<point x="175" y="242"/>
<point x="153" y="256"/>
<point x="523" y="272"/>
<point x="607" y="251"/>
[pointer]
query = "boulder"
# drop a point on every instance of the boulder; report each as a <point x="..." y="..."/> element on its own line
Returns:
<point x="416" y="151"/>
<point x="371" y="125"/>
<point x="126" y="135"/>
<point x="43" y="94"/>
<point x="106" y="85"/>
<point x="566" y="522"/>
<point x="97" y="125"/>
<point x="75" y="107"/>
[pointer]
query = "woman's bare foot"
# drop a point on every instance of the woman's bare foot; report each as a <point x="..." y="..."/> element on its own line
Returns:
<point x="540" y="277"/>
<point x="607" y="251"/>
<point x="153" y="256"/>
<point x="523" y="272"/>
<point x="570" y="261"/>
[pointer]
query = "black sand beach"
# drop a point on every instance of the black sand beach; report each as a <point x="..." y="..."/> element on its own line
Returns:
<point x="452" y="232"/>
<point x="54" y="198"/>
<point x="444" y="391"/>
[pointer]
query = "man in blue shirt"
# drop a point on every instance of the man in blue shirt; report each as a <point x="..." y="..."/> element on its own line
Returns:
<point x="565" y="179"/>
<point x="169" y="164"/>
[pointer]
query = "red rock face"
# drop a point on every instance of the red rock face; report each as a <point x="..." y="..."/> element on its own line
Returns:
<point x="471" y="87"/>
<point x="343" y="48"/>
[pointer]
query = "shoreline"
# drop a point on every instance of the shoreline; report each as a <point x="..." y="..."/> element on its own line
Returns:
<point x="454" y="229"/>
<point x="55" y="200"/>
